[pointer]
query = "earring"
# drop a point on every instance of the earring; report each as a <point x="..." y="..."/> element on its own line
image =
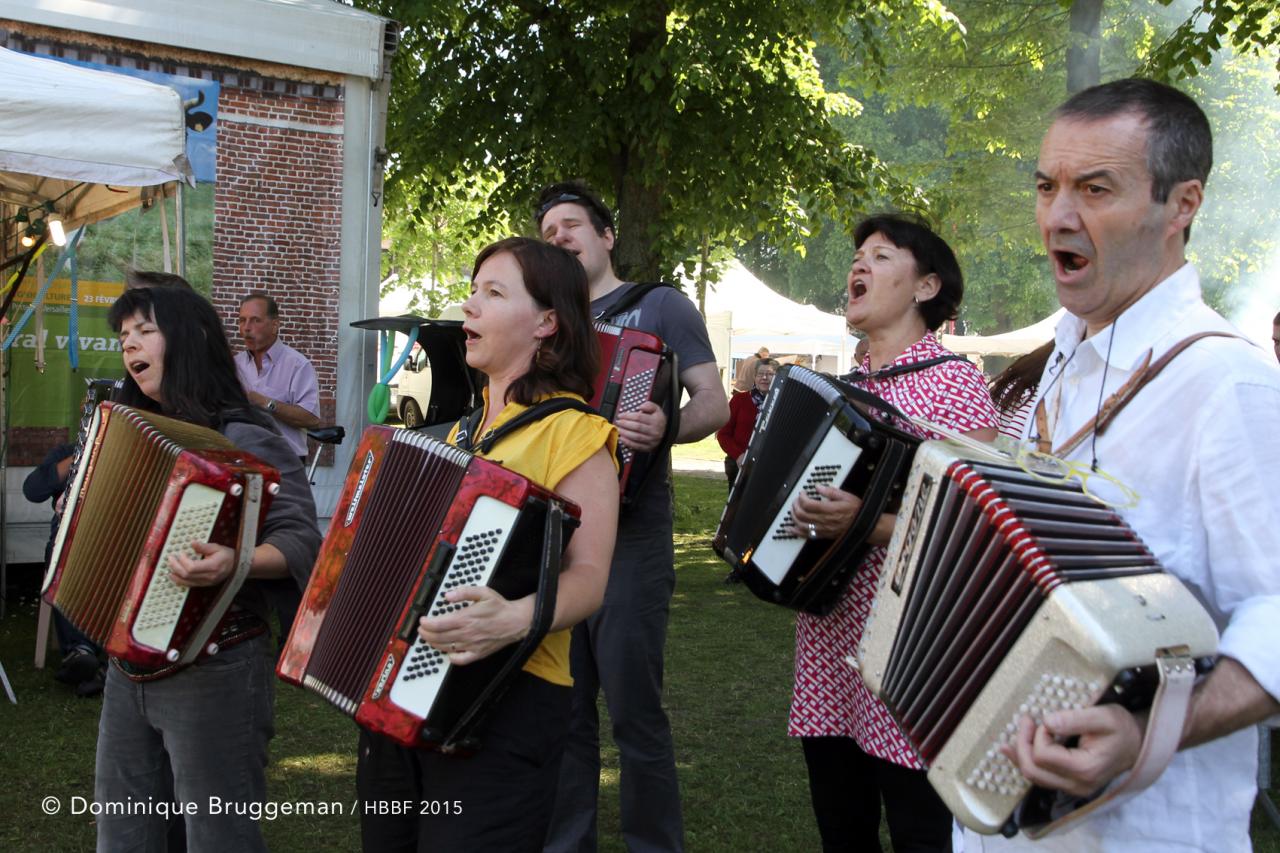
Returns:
<point x="915" y="299"/>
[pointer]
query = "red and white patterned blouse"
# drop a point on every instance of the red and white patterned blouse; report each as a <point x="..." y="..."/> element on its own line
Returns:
<point x="830" y="698"/>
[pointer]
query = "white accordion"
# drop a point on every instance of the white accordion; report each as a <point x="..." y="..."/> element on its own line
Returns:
<point x="1005" y="596"/>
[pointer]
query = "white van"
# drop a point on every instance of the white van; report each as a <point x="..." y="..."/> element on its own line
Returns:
<point x="412" y="395"/>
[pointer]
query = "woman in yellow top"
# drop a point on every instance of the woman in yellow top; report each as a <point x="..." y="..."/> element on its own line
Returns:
<point x="529" y="332"/>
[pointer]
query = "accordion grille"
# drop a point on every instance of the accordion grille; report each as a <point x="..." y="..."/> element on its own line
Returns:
<point x="404" y="511"/>
<point x="994" y="545"/>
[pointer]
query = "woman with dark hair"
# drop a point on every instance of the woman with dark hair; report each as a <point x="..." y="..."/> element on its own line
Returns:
<point x="903" y="284"/>
<point x="529" y="332"/>
<point x="199" y="732"/>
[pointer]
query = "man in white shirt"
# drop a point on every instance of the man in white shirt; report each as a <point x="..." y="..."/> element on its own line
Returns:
<point x="1120" y="178"/>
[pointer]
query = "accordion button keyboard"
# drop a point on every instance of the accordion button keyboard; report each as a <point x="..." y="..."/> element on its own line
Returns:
<point x="479" y="549"/>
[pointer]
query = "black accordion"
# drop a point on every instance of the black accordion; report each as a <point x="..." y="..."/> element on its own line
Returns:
<point x="812" y="431"/>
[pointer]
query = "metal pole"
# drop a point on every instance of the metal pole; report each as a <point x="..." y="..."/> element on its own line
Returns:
<point x="180" y="226"/>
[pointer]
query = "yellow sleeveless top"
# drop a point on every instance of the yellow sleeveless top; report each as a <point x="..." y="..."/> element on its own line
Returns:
<point x="546" y="451"/>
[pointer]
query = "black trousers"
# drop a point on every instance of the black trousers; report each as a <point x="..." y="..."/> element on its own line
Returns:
<point x="731" y="470"/>
<point x="499" y="799"/>
<point x="847" y="785"/>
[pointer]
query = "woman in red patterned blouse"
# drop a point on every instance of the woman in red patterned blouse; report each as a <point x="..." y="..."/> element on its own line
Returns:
<point x="904" y="283"/>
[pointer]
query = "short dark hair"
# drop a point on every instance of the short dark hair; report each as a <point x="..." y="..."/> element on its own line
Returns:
<point x="932" y="256"/>
<point x="153" y="278"/>
<point x="574" y="192"/>
<point x="199" y="383"/>
<point x="569" y="359"/>
<point x="1179" y="140"/>
<point x="273" y="310"/>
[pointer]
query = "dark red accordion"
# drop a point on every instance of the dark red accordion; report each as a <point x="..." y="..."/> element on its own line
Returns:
<point x="145" y="487"/>
<point x="417" y="518"/>
<point x="636" y="367"/>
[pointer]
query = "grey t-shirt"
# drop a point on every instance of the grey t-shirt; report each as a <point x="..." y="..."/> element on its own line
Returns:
<point x="667" y="313"/>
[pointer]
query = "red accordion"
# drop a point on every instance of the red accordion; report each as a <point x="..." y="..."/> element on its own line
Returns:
<point x="144" y="487"/>
<point x="636" y="367"/>
<point x="417" y="518"/>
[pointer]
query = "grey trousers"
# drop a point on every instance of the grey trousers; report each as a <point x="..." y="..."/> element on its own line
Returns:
<point x="620" y="650"/>
<point x="196" y="741"/>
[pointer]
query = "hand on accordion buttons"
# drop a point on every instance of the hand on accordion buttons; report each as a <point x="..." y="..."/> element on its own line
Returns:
<point x="1109" y="739"/>
<point x="213" y="565"/>
<point x="642" y="429"/>
<point x="490" y="622"/>
<point x="829" y="517"/>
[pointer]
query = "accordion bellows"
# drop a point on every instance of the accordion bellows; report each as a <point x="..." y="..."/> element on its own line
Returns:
<point x="144" y="487"/>
<point x="417" y="518"/>
<point x="1003" y="596"/>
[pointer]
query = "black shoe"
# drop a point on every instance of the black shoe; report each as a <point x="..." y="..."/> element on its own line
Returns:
<point x="93" y="685"/>
<point x="732" y="578"/>
<point x="77" y="667"/>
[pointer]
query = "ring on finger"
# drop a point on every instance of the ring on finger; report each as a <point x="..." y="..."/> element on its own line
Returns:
<point x="813" y="531"/>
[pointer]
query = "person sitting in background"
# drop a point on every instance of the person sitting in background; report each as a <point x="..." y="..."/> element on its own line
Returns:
<point x="81" y="666"/>
<point x="744" y="406"/>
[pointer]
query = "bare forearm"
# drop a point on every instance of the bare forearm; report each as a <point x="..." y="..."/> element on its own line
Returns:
<point x="295" y="416"/>
<point x="701" y="416"/>
<point x="1228" y="700"/>
<point x="268" y="563"/>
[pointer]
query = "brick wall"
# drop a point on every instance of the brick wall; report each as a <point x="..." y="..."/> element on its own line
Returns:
<point x="277" y="219"/>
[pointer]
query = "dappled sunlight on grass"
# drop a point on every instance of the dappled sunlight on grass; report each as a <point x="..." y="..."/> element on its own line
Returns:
<point x="326" y="763"/>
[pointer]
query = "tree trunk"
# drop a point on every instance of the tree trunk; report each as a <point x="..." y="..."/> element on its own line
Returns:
<point x="1084" y="68"/>
<point x="702" y="276"/>
<point x="639" y="192"/>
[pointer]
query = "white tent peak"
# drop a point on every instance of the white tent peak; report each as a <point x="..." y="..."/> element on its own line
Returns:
<point x="760" y="316"/>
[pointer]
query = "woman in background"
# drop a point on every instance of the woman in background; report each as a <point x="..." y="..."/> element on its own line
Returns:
<point x="744" y="406"/>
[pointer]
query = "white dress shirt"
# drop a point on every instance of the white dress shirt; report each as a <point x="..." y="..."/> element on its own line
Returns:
<point x="1201" y="445"/>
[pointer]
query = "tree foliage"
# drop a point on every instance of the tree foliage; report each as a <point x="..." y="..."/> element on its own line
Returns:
<point x="960" y="110"/>
<point x="1248" y="26"/>
<point x="701" y="120"/>
<point x="430" y="250"/>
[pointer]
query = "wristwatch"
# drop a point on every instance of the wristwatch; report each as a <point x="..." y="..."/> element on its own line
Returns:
<point x="271" y="406"/>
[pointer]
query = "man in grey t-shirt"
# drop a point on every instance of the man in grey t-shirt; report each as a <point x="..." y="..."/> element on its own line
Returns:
<point x="620" y="648"/>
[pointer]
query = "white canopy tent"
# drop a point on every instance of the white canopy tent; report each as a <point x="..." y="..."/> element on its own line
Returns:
<point x="1017" y="342"/>
<point x="761" y="317"/>
<point x="91" y="142"/>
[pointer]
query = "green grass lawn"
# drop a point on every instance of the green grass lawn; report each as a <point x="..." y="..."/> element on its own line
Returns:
<point x="728" y="686"/>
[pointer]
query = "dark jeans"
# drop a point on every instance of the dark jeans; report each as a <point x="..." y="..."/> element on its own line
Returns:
<point x="620" y="649"/>
<point x="198" y="736"/>
<point x="730" y="469"/>
<point x="69" y="636"/>
<point x="496" y="800"/>
<point x="847" y="785"/>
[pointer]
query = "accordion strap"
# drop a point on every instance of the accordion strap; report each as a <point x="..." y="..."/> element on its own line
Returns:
<point x="1107" y="412"/>
<point x="900" y="369"/>
<point x="1168" y="715"/>
<point x="629" y="299"/>
<point x="469" y="424"/>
